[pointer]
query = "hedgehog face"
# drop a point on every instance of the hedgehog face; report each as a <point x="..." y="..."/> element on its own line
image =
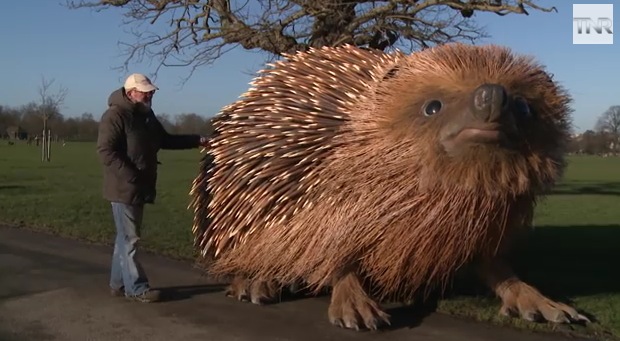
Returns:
<point x="467" y="99"/>
<point x="486" y="117"/>
<point x="490" y="116"/>
<point x="462" y="114"/>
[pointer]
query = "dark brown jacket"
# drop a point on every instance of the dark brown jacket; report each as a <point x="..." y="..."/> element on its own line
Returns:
<point x="129" y="138"/>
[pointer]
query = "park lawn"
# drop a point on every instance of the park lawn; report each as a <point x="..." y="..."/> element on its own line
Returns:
<point x="63" y="196"/>
<point x="569" y="255"/>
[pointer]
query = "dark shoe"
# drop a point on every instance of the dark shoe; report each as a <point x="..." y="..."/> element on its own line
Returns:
<point x="146" y="297"/>
<point x="117" y="292"/>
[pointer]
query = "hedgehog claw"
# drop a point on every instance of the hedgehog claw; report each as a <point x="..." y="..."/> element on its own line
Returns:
<point x="520" y="299"/>
<point x="525" y="301"/>
<point x="351" y="308"/>
<point x="257" y="292"/>
<point x="238" y="293"/>
<point x="357" y="315"/>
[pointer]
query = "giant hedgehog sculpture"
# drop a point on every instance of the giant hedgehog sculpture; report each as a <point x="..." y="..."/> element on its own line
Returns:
<point x="354" y="169"/>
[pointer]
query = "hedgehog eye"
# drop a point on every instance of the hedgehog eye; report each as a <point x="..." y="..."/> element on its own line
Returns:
<point x="431" y="108"/>
<point x="522" y="107"/>
<point x="391" y="73"/>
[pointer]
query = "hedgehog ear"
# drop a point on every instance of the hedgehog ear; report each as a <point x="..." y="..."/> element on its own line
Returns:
<point x="546" y="76"/>
<point x="391" y="72"/>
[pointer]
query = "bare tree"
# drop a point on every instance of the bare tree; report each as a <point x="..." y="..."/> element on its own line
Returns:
<point x="197" y="32"/>
<point x="609" y="122"/>
<point x="51" y="103"/>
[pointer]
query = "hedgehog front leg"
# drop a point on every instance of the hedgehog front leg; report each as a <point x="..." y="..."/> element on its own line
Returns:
<point x="352" y="308"/>
<point x="257" y="292"/>
<point x="521" y="299"/>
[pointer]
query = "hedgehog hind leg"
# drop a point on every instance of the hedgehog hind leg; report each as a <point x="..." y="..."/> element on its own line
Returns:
<point x="521" y="299"/>
<point x="352" y="308"/>
<point x="258" y="292"/>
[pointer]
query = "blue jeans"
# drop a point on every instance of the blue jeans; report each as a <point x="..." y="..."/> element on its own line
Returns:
<point x="126" y="270"/>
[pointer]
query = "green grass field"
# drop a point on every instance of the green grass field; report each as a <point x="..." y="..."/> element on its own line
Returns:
<point x="569" y="255"/>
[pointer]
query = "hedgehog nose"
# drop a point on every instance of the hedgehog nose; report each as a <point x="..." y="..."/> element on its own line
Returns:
<point x="488" y="101"/>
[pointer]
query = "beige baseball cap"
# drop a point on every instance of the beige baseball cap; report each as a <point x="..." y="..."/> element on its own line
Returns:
<point x="139" y="82"/>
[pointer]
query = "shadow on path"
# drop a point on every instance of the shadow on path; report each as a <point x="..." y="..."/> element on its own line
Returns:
<point x="178" y="293"/>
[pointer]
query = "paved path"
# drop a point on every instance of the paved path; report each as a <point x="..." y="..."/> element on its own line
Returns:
<point x="56" y="289"/>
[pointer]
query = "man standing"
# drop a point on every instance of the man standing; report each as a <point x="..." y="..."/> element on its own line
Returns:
<point x="129" y="139"/>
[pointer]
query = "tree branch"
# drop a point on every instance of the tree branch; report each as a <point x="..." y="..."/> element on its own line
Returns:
<point x="198" y="32"/>
<point x="51" y="102"/>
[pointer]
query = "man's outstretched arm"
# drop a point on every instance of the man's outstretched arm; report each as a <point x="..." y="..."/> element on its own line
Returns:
<point x="179" y="141"/>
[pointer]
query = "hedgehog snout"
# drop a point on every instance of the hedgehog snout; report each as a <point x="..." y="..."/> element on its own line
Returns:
<point x="489" y="101"/>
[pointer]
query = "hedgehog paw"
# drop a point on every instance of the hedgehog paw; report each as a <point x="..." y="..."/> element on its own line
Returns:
<point x="351" y="307"/>
<point x="521" y="299"/>
<point x="257" y="292"/>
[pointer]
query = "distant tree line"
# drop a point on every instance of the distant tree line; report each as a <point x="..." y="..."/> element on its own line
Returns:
<point x="594" y="143"/>
<point x="26" y="123"/>
<point x="604" y="139"/>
